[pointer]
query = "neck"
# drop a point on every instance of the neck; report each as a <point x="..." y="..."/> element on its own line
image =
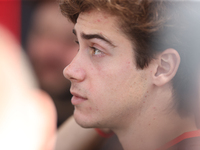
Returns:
<point x="155" y="126"/>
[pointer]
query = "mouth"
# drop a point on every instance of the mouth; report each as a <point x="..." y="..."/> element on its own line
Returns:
<point x="77" y="99"/>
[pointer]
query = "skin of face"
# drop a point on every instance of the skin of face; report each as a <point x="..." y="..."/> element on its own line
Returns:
<point x="108" y="89"/>
<point x="51" y="47"/>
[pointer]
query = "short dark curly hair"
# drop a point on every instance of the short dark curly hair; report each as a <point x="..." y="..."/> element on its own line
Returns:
<point x="153" y="26"/>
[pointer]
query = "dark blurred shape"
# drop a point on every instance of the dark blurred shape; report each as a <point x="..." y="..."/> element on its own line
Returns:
<point x="50" y="46"/>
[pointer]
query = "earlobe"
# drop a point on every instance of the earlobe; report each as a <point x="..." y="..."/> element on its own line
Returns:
<point x="167" y="65"/>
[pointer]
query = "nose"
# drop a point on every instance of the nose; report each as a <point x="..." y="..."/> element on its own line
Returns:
<point x="75" y="71"/>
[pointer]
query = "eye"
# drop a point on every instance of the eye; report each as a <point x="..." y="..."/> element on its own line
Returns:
<point x="96" y="52"/>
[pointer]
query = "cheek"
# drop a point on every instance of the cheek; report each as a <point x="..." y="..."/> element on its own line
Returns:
<point x="125" y="83"/>
<point x="113" y="81"/>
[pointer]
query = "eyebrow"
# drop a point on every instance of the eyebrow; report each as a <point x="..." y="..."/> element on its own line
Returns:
<point x="95" y="36"/>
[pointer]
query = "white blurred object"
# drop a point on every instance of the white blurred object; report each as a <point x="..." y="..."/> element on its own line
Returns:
<point x="28" y="118"/>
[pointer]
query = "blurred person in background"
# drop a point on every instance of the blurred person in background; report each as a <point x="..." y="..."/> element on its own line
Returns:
<point x="51" y="46"/>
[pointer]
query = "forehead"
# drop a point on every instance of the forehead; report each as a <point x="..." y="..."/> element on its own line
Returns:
<point x="96" y="16"/>
<point x="97" y="20"/>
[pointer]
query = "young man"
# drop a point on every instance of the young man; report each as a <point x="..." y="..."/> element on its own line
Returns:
<point x="133" y="72"/>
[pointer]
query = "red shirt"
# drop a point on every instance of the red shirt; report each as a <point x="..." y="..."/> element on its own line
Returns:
<point x="186" y="141"/>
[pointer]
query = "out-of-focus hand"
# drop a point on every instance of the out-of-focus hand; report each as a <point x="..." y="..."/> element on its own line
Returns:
<point x="28" y="117"/>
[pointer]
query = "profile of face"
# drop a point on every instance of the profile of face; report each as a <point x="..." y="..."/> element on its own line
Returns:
<point x="51" y="47"/>
<point x="105" y="83"/>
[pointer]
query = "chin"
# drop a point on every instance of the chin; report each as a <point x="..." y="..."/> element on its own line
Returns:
<point x="84" y="120"/>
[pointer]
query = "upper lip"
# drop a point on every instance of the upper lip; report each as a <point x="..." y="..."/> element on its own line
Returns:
<point x="77" y="95"/>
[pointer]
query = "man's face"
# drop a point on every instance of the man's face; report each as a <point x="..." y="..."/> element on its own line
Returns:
<point x="105" y="82"/>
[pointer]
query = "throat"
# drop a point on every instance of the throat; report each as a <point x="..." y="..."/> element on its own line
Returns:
<point x="153" y="132"/>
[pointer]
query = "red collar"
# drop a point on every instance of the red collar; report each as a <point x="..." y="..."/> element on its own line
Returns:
<point x="180" y="138"/>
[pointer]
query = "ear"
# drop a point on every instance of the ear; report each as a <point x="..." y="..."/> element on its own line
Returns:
<point x="167" y="65"/>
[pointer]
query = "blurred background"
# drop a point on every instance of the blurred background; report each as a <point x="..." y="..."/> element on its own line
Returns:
<point x="48" y="40"/>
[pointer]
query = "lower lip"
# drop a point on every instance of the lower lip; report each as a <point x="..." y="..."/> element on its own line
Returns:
<point x="77" y="100"/>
